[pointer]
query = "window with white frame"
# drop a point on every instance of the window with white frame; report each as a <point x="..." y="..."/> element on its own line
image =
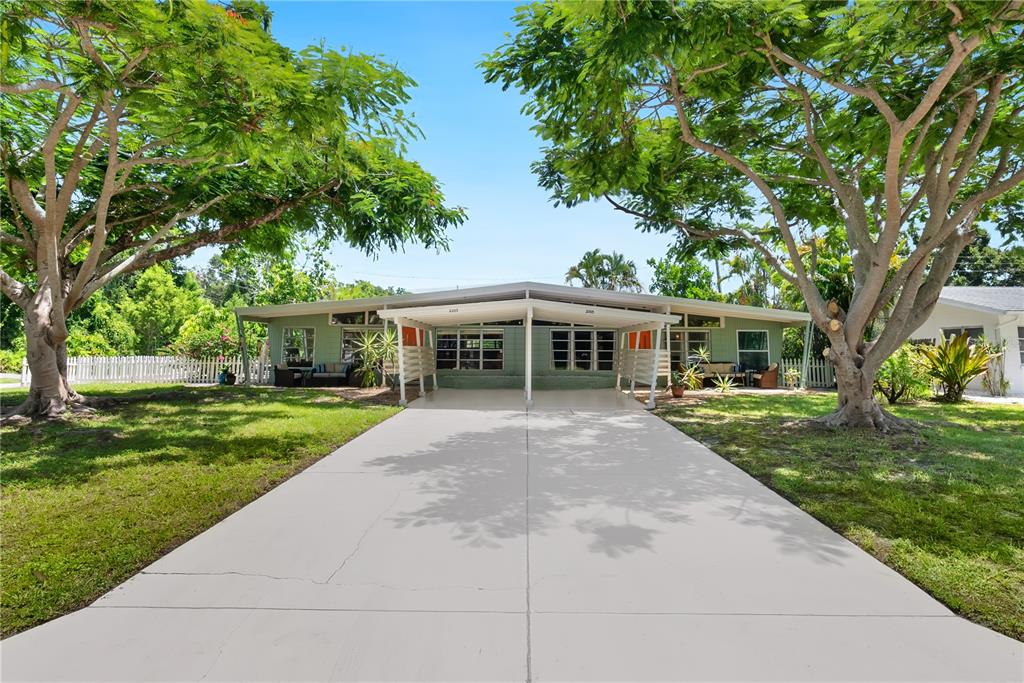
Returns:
<point x="471" y="349"/>
<point x="973" y="333"/>
<point x="697" y="320"/>
<point x="752" y="349"/>
<point x="686" y="346"/>
<point x="1020" y="343"/>
<point x="350" y="318"/>
<point x="583" y="349"/>
<point x="297" y="345"/>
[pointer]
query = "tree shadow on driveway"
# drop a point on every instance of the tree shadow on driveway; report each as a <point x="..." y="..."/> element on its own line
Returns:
<point x="585" y="471"/>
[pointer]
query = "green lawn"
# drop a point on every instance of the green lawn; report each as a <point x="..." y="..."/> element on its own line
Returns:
<point x="945" y="506"/>
<point x="88" y="502"/>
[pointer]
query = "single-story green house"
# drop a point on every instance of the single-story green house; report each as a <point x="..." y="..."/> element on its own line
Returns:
<point x="579" y="337"/>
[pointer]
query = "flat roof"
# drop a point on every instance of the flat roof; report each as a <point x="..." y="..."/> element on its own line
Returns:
<point x="521" y="290"/>
<point x="994" y="299"/>
<point x="518" y="309"/>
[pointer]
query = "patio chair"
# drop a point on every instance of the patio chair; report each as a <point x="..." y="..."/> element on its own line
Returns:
<point x="767" y="378"/>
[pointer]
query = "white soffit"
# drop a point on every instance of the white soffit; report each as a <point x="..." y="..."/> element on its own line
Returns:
<point x="516" y="309"/>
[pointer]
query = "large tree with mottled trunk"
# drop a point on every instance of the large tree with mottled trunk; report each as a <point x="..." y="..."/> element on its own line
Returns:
<point x="135" y="133"/>
<point x="895" y="125"/>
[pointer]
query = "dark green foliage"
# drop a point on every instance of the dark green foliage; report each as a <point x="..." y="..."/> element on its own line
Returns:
<point x="682" y="274"/>
<point x="902" y="377"/>
<point x="605" y="271"/>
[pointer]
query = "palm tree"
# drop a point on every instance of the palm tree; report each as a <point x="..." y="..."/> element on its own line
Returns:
<point x="590" y="271"/>
<point x="622" y="274"/>
<point x="605" y="271"/>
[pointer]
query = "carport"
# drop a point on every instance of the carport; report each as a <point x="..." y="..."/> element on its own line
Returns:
<point x="417" y="354"/>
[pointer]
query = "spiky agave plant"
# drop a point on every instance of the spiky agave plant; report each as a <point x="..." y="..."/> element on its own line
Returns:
<point x="723" y="383"/>
<point x="375" y="351"/>
<point x="954" y="362"/>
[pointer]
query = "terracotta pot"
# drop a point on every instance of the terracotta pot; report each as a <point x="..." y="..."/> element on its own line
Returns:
<point x="678" y="390"/>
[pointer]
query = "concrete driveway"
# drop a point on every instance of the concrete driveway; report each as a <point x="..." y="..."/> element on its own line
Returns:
<point x="466" y="539"/>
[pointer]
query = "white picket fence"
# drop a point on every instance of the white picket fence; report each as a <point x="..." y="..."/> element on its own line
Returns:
<point x="155" y="369"/>
<point x="820" y="373"/>
<point x="173" y="369"/>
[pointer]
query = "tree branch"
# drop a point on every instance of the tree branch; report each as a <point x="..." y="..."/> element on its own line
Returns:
<point x="812" y="296"/>
<point x="35" y="85"/>
<point x="15" y="290"/>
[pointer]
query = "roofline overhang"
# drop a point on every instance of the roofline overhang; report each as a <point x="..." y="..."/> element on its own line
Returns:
<point x="977" y="307"/>
<point x="446" y="315"/>
<point x="520" y="290"/>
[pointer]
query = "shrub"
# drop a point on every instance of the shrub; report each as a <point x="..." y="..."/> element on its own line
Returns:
<point x="954" y="362"/>
<point x="82" y="342"/>
<point x="902" y="376"/>
<point x="208" y="332"/>
<point x="994" y="380"/>
<point x="10" y="360"/>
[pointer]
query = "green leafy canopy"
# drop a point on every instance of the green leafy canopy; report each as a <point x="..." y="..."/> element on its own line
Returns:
<point x="878" y="135"/>
<point x="139" y="132"/>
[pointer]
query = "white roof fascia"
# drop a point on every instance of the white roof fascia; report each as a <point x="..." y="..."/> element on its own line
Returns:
<point x="519" y="290"/>
<point x="516" y="309"/>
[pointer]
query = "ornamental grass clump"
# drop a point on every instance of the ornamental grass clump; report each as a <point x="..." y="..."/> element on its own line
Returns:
<point x="954" y="362"/>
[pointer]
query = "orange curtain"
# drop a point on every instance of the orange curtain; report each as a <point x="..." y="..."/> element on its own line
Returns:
<point x="645" y="339"/>
<point x="412" y="337"/>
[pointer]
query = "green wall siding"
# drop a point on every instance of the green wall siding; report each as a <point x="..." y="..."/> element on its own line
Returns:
<point x="326" y="340"/>
<point x="723" y="340"/>
<point x="328" y="349"/>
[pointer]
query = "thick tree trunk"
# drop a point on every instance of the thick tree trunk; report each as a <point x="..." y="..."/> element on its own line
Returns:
<point x="857" y="405"/>
<point x="50" y="394"/>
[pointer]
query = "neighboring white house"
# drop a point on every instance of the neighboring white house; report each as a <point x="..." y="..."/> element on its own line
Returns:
<point x="997" y="313"/>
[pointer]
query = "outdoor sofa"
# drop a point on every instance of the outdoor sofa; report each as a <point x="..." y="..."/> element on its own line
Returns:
<point x="330" y="374"/>
<point x="713" y="370"/>
<point x="320" y="375"/>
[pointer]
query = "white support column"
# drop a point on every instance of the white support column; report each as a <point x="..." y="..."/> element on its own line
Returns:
<point x="807" y="355"/>
<point x="245" y="349"/>
<point x="401" y="366"/>
<point x="668" y="350"/>
<point x="654" y="370"/>
<point x="529" y="356"/>
<point x="433" y="348"/>
<point x="632" y="368"/>
<point x="419" y="351"/>
<point x="622" y="336"/>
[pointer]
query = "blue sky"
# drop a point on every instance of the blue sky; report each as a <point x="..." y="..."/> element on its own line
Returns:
<point x="475" y="141"/>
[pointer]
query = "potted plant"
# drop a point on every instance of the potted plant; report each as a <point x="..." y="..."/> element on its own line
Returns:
<point x="689" y="377"/>
<point x="792" y="378"/>
<point x="678" y="388"/>
<point x="226" y="376"/>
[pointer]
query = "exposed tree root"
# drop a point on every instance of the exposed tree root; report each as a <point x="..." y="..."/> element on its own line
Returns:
<point x="39" y="407"/>
<point x="867" y="414"/>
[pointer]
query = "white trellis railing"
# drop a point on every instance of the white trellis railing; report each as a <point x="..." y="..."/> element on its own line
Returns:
<point x="156" y="369"/>
<point x="820" y="373"/>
